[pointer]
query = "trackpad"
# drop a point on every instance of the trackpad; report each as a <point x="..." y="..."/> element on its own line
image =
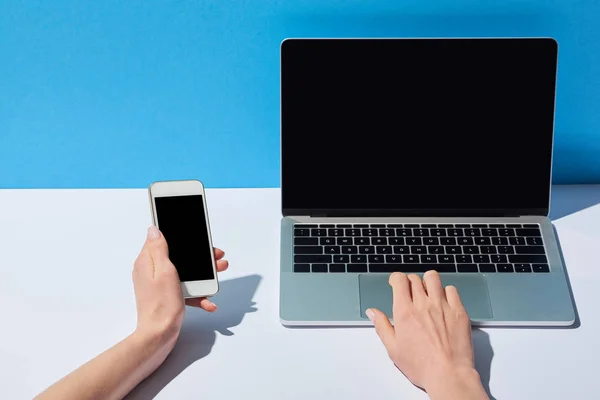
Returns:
<point x="375" y="292"/>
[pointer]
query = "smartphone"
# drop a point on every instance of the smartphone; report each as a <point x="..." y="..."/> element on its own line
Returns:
<point x="179" y="211"/>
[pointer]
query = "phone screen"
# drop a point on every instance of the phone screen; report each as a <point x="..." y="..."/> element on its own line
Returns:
<point x="182" y="221"/>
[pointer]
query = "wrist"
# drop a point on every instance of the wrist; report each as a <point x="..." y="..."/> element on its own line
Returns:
<point x="457" y="383"/>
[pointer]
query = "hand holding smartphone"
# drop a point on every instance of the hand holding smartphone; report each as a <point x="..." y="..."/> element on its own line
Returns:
<point x="179" y="211"/>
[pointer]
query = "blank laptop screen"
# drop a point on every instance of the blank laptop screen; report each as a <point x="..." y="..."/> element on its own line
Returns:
<point x="438" y="125"/>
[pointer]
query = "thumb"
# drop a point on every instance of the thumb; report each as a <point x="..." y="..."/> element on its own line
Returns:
<point x="157" y="246"/>
<point x="384" y="328"/>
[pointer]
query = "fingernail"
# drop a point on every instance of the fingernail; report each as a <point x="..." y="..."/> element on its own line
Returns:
<point x="370" y="314"/>
<point x="153" y="233"/>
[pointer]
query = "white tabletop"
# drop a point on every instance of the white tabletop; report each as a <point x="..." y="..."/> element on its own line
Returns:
<point x="66" y="295"/>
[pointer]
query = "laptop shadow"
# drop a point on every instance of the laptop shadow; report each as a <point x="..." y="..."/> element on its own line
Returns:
<point x="199" y="333"/>
<point x="569" y="199"/>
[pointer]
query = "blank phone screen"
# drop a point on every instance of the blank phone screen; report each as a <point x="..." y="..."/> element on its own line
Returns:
<point x="182" y="221"/>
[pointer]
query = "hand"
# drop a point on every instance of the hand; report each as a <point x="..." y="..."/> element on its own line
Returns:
<point x="159" y="299"/>
<point x="430" y="341"/>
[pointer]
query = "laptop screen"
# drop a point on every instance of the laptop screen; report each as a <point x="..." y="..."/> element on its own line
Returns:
<point x="415" y="126"/>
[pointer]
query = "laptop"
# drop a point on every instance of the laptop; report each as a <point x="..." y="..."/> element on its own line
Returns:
<point x="413" y="155"/>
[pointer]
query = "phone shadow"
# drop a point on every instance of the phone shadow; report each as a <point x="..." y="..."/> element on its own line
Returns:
<point x="199" y="333"/>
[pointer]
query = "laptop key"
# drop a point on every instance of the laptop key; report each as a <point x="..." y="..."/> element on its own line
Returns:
<point x="418" y="249"/>
<point x="366" y="249"/>
<point x="528" y="258"/>
<point x="446" y="259"/>
<point x="306" y="241"/>
<point x="386" y="232"/>
<point x="312" y="259"/>
<point x="481" y="259"/>
<point x="421" y="232"/>
<point x="318" y="232"/>
<point x="396" y="241"/>
<point x="349" y="250"/>
<point x="357" y="268"/>
<point x="337" y="268"/>
<point x="535" y="241"/>
<point x="505" y="250"/>
<point x="431" y="241"/>
<point x="404" y="232"/>
<point x="376" y="258"/>
<point x="332" y="249"/>
<point x="341" y="259"/>
<point x="435" y="249"/>
<point x="360" y="241"/>
<point x="540" y="268"/>
<point x="471" y="249"/>
<point x="465" y="241"/>
<point x="379" y="241"/>
<point x="301" y="267"/>
<point x="489" y="232"/>
<point x="522" y="268"/>
<point x="464" y="259"/>
<point x="487" y="249"/>
<point x="369" y="232"/>
<point x="453" y="250"/>
<point x="335" y="232"/>
<point x="448" y="241"/>
<point x="455" y="232"/>
<point x="352" y="232"/>
<point x="410" y="258"/>
<point x="516" y="241"/>
<point x="498" y="259"/>
<point x="437" y="232"/>
<point x="483" y="241"/>
<point x="393" y="258"/>
<point x="472" y="232"/>
<point x="531" y="226"/>
<point x="530" y="250"/>
<point x="513" y="225"/>
<point x="467" y="268"/>
<point x="401" y="249"/>
<point x="326" y="241"/>
<point x="500" y="241"/>
<point x="384" y="249"/>
<point x="344" y="241"/>
<point x="308" y="250"/>
<point x="319" y="268"/>
<point x="487" y="268"/>
<point x="358" y="259"/>
<point x="412" y="268"/>
<point x="529" y="232"/>
<point x="301" y="232"/>
<point x="428" y="259"/>
<point x="414" y="241"/>
<point x="504" y="267"/>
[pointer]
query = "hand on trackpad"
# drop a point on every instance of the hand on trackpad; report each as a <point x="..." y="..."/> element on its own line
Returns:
<point x="375" y="292"/>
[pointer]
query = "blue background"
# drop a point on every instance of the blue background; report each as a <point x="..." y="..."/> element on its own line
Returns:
<point x="121" y="93"/>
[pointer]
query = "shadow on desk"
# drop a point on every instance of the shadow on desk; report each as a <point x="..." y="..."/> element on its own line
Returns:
<point x="569" y="199"/>
<point x="484" y="353"/>
<point x="199" y="333"/>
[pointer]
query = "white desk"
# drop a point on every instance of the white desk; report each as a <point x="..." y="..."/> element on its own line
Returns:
<point x="66" y="295"/>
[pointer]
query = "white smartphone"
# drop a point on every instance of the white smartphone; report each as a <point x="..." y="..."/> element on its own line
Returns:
<point x="179" y="211"/>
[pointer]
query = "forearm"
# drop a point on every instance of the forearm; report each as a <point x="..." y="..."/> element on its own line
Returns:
<point x="460" y="386"/>
<point x="114" y="373"/>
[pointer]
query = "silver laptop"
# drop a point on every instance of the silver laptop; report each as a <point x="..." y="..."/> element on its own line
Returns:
<point x="418" y="154"/>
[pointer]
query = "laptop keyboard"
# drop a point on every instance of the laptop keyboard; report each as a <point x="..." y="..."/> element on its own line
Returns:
<point x="416" y="248"/>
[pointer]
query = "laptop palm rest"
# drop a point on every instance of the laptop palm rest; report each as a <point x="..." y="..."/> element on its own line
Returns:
<point x="375" y="292"/>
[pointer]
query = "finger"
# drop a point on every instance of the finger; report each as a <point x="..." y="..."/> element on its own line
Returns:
<point x="416" y="288"/>
<point x="453" y="297"/>
<point x="202" y="303"/>
<point x="400" y="289"/>
<point x="222" y="265"/>
<point x="219" y="253"/>
<point x="157" y="246"/>
<point x="433" y="286"/>
<point x="384" y="328"/>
